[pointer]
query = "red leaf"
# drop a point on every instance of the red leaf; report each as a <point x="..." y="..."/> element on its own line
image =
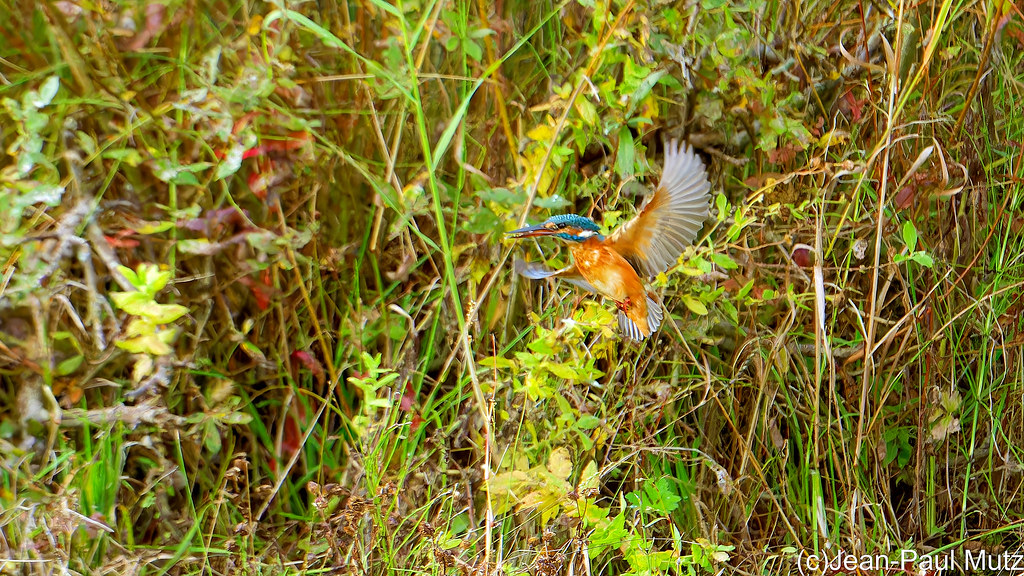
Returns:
<point x="261" y="291"/>
<point x="852" y="107"/>
<point x="214" y="222"/>
<point x="407" y="398"/>
<point x="291" y="439"/>
<point x="120" y="240"/>
<point x="417" y="421"/>
<point x="294" y="141"/>
<point x="155" y="13"/>
<point x="242" y="123"/>
<point x="905" y="197"/>
<point x="261" y="179"/>
<point x="783" y="154"/>
<point x="803" y="256"/>
<point x="311" y="364"/>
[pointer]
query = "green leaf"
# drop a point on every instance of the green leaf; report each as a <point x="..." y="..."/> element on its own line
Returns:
<point x="236" y="418"/>
<point x="70" y="365"/>
<point x="154" y="278"/>
<point x="496" y="363"/>
<point x="897" y="446"/>
<point x="41" y="194"/>
<point x="553" y="202"/>
<point x="142" y="305"/>
<point x="910" y="235"/>
<point x="590" y="479"/>
<point x="167" y="313"/>
<point x="626" y="157"/>
<point x="129" y="275"/>
<point x="645" y="84"/>
<point x="125" y="300"/>
<point x="253" y="351"/>
<point x="153" y="344"/>
<point x="129" y="156"/>
<point x="154" y="227"/>
<point x="633" y="79"/>
<point x="387" y="7"/>
<point x="35" y="122"/>
<point x="724" y="261"/>
<point x="562" y="370"/>
<point x="746" y="289"/>
<point x="560" y="463"/>
<point x="211" y="437"/>
<point x="199" y="246"/>
<point x="484" y="222"/>
<point x="503" y="196"/>
<point x="231" y="163"/>
<point x="371" y="362"/>
<point x="186" y="179"/>
<point x="664" y="494"/>
<point x="473" y="49"/>
<point x="612" y="535"/>
<point x="541" y="347"/>
<point x="587" y="111"/>
<point x="167" y="171"/>
<point x="695" y="305"/>
<point x="46" y="92"/>
<point x="730" y="310"/>
<point x="923" y="259"/>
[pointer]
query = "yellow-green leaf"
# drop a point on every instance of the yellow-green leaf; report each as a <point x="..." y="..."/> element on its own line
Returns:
<point x="695" y="306"/>
<point x="560" y="463"/>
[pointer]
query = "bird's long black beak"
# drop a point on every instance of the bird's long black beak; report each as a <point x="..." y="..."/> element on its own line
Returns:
<point x="530" y="232"/>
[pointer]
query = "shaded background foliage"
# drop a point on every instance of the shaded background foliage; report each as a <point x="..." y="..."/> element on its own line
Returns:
<point x="256" y="313"/>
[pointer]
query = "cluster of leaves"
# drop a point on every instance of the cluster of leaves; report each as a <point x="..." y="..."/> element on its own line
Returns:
<point x="30" y="179"/>
<point x="150" y="331"/>
<point x="547" y="490"/>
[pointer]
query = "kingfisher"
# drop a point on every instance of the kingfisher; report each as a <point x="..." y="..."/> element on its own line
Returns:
<point x="614" y="266"/>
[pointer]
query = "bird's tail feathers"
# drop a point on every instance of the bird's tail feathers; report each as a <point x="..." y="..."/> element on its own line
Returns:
<point x="655" y="315"/>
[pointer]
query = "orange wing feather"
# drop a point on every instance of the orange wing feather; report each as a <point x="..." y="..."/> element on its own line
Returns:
<point x="669" y="221"/>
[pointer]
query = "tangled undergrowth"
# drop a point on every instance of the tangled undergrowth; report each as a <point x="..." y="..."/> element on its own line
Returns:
<point x="257" y="313"/>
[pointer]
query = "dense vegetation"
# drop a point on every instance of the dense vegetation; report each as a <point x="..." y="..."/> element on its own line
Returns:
<point x="258" y="315"/>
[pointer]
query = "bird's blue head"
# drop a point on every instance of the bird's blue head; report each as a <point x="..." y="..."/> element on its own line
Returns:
<point x="570" y="227"/>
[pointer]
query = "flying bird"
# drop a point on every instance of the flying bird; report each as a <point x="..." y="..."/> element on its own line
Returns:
<point x="614" y="266"/>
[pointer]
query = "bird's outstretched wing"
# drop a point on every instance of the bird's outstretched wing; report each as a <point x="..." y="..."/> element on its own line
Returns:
<point x="535" y="271"/>
<point x="669" y="221"/>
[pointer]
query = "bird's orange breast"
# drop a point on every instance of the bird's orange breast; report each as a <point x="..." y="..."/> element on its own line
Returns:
<point x="607" y="271"/>
<point x="613" y="277"/>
